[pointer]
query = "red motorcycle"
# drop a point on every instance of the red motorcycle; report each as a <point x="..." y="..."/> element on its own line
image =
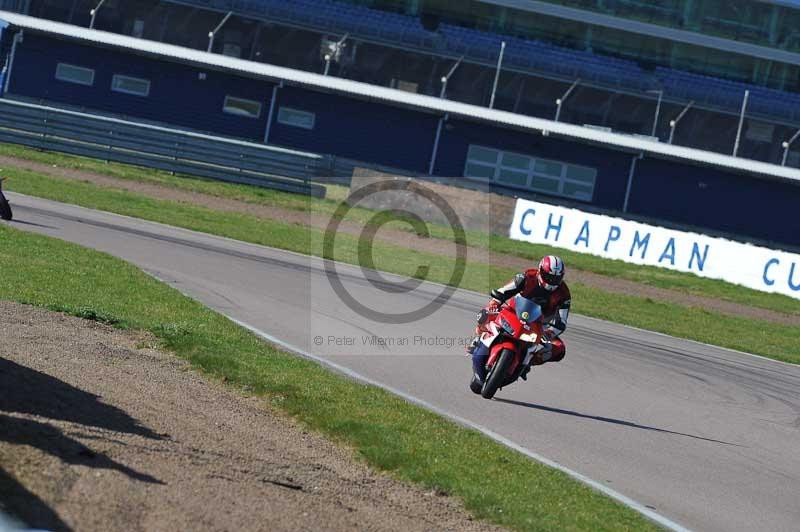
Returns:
<point x="513" y="336"/>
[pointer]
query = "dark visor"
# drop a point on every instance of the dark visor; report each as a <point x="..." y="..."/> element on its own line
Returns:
<point x="552" y="279"/>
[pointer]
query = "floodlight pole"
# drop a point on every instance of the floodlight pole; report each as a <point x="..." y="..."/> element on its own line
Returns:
<point x="497" y="73"/>
<point x="329" y="58"/>
<point x="93" y="13"/>
<point x="787" y="145"/>
<point x="673" y="123"/>
<point x="560" y="101"/>
<point x="741" y="123"/>
<point x="446" y="78"/>
<point x="658" y="110"/>
<point x="212" y="34"/>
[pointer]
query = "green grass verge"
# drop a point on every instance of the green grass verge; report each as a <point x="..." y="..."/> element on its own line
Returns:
<point x="387" y="432"/>
<point x="773" y="340"/>
<point x="648" y="275"/>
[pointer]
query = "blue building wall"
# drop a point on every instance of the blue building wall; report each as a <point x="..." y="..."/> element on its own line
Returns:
<point x="360" y="130"/>
<point x="177" y="94"/>
<point x="612" y="166"/>
<point x="4" y="57"/>
<point x="393" y="136"/>
<point x="706" y="197"/>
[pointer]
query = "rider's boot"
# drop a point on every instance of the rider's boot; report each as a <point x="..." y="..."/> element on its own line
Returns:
<point x="480" y="357"/>
<point x="539" y="357"/>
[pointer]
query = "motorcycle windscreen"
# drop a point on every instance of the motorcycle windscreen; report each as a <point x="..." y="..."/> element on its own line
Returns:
<point x="527" y="310"/>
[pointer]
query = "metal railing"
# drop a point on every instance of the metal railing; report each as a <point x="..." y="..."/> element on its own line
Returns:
<point x="150" y="146"/>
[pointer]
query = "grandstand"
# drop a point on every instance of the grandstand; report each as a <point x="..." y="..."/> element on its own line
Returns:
<point x="626" y="54"/>
<point x="374" y="97"/>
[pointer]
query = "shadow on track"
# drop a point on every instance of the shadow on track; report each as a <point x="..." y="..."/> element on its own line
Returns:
<point x="22" y="222"/>
<point x="608" y="420"/>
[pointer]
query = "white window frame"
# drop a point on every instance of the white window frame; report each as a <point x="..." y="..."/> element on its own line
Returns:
<point x="61" y="77"/>
<point x="498" y="167"/>
<point x="283" y="119"/>
<point x="225" y="107"/>
<point x="126" y="91"/>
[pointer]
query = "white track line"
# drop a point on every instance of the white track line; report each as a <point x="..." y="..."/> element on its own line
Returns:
<point x="619" y="497"/>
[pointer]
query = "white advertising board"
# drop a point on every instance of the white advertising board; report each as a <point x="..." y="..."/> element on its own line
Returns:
<point x="756" y="267"/>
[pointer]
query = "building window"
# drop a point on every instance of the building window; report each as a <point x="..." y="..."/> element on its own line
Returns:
<point x="296" y="118"/>
<point x="138" y="28"/>
<point x="242" y="107"/>
<point x="530" y="173"/>
<point x="74" y="74"/>
<point x="129" y="85"/>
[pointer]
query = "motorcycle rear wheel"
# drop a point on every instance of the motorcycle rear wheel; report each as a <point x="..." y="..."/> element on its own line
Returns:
<point x="498" y="375"/>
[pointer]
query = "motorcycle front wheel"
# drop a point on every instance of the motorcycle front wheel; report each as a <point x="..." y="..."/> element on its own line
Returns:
<point x="498" y="374"/>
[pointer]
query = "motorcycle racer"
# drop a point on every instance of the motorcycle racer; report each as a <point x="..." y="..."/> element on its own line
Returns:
<point x="544" y="285"/>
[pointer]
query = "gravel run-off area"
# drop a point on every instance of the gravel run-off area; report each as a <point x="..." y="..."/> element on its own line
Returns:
<point x="101" y="431"/>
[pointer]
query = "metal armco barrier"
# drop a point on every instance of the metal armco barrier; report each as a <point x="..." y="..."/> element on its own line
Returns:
<point x="111" y="139"/>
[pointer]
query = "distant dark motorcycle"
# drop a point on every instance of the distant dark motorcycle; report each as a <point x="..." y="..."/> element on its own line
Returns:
<point x="5" y="208"/>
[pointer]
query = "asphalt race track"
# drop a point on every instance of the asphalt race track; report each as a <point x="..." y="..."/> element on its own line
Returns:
<point x="705" y="437"/>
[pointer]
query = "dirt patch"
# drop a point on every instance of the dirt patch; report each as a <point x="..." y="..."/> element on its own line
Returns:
<point x="100" y="432"/>
<point x="405" y="239"/>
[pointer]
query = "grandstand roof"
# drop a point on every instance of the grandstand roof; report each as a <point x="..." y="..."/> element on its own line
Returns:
<point x="401" y="98"/>
<point x="788" y="3"/>
<point x="655" y="30"/>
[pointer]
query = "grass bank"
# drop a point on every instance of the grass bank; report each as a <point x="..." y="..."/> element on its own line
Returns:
<point x="647" y="275"/>
<point x="387" y="432"/>
<point x="773" y="340"/>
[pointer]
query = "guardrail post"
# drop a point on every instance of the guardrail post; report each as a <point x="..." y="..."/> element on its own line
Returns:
<point x="110" y="145"/>
<point x="177" y="147"/>
<point x="45" y="128"/>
